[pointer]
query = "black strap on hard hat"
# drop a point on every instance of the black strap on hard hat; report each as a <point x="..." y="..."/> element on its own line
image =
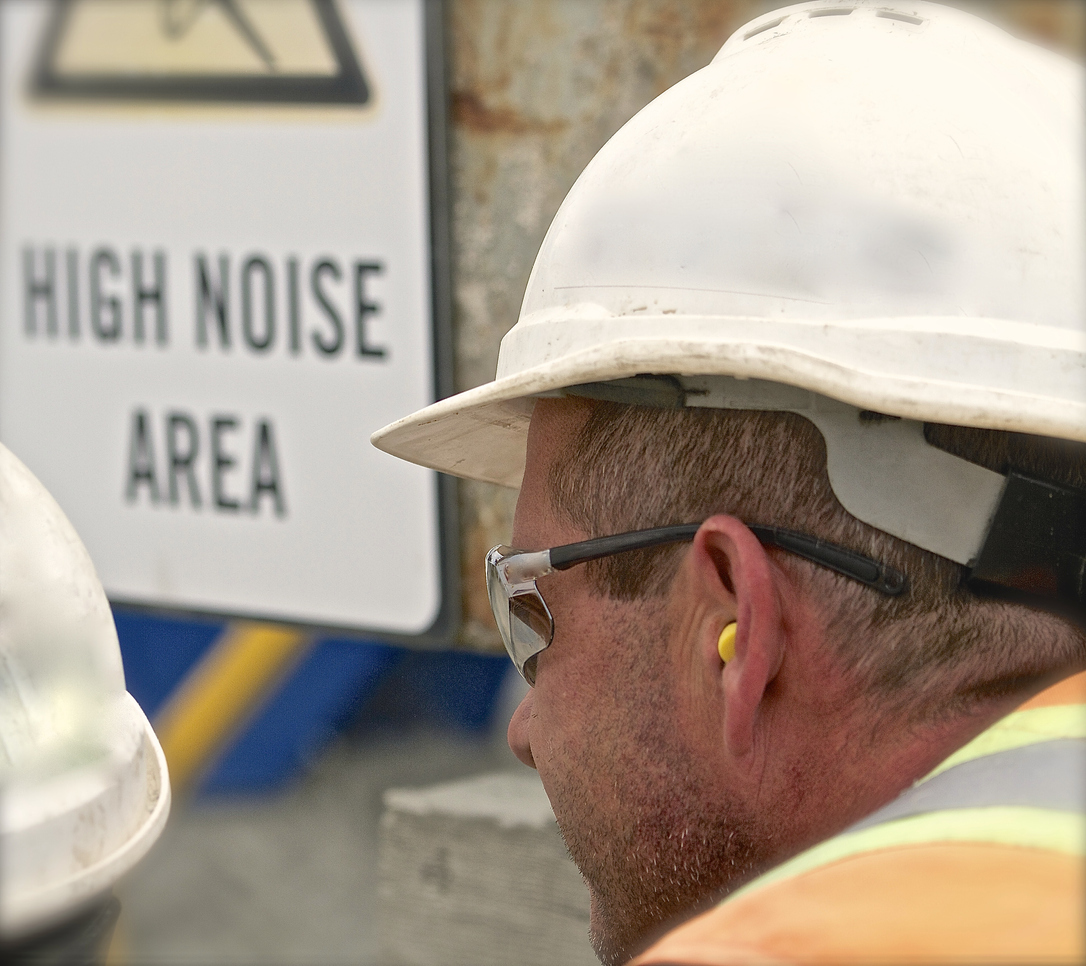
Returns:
<point x="1035" y="548"/>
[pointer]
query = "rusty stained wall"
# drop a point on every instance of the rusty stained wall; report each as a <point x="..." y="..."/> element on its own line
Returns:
<point x="537" y="87"/>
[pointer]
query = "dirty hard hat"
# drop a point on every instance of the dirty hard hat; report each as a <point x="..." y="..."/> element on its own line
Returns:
<point x="84" y="790"/>
<point x="855" y="207"/>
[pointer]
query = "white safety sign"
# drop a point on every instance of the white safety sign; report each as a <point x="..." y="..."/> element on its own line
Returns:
<point x="215" y="282"/>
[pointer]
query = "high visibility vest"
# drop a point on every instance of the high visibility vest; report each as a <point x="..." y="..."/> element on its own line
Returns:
<point x="981" y="861"/>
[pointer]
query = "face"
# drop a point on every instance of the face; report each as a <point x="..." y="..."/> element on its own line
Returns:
<point x="622" y="742"/>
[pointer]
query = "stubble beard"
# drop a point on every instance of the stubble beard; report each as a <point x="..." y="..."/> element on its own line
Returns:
<point x="668" y="866"/>
<point x="668" y="846"/>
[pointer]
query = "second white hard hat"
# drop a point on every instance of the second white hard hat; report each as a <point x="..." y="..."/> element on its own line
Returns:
<point x="84" y="790"/>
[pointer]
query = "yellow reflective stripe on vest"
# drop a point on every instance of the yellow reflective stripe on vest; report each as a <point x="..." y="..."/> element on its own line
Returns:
<point x="1019" y="729"/>
<point x="1048" y="774"/>
<point x="1038" y="828"/>
<point x="1028" y="826"/>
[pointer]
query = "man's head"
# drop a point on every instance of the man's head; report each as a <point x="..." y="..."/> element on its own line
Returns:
<point x="860" y="225"/>
<point x="674" y="777"/>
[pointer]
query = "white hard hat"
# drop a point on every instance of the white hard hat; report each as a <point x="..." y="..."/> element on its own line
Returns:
<point x="856" y="206"/>
<point x="84" y="790"/>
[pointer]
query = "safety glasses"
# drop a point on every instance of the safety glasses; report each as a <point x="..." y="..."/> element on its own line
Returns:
<point x="525" y="621"/>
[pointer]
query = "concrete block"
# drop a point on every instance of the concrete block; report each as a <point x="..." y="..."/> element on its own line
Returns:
<point x="475" y="873"/>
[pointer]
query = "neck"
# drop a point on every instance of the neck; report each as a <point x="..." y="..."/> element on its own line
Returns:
<point x="872" y="756"/>
<point x="904" y="748"/>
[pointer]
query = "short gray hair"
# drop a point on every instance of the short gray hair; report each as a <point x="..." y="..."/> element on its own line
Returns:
<point x="935" y="649"/>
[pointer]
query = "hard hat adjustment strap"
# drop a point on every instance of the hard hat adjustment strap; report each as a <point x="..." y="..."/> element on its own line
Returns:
<point x="882" y="470"/>
<point x="1035" y="546"/>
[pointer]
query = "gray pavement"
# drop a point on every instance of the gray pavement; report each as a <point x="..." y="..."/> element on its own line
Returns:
<point x="292" y="878"/>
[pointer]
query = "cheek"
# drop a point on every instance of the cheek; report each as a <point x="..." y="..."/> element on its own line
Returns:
<point x="577" y="721"/>
<point x="590" y="689"/>
<point x="563" y="716"/>
<point x="583" y="648"/>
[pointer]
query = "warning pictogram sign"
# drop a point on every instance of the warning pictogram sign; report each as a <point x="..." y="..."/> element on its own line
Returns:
<point x="271" y="51"/>
<point x="205" y="311"/>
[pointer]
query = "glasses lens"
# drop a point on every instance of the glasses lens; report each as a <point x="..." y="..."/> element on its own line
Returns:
<point x="530" y="623"/>
<point x="528" y="671"/>
<point x="521" y="615"/>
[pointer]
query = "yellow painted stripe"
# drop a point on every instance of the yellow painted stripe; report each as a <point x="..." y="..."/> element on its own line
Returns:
<point x="221" y="691"/>
<point x="117" y="952"/>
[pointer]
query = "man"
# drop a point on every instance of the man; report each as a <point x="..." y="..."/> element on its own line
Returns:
<point x="797" y="406"/>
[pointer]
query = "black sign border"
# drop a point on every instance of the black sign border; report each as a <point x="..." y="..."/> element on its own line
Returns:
<point x="349" y="86"/>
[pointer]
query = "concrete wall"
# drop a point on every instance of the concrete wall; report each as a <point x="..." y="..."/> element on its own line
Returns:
<point x="537" y="86"/>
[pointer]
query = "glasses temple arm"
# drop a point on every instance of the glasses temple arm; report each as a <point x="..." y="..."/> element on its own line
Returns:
<point x="848" y="563"/>
<point x="562" y="558"/>
<point x="882" y="577"/>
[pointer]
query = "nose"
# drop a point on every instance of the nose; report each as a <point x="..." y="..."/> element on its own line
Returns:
<point x="517" y="735"/>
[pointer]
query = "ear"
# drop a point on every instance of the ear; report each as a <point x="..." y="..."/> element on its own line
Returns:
<point x="737" y="581"/>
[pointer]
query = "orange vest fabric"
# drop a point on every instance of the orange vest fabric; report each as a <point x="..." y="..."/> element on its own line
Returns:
<point x="941" y="894"/>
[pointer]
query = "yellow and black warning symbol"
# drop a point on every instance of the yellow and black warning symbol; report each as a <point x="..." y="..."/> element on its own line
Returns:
<point x="258" y="51"/>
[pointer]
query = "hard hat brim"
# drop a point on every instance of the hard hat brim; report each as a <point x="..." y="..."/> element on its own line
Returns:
<point x="481" y="434"/>
<point x="27" y="910"/>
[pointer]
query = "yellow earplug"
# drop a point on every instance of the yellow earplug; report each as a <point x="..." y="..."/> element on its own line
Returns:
<point x="725" y="645"/>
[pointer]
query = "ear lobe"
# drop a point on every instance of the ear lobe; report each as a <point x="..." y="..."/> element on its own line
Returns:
<point x="739" y="582"/>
